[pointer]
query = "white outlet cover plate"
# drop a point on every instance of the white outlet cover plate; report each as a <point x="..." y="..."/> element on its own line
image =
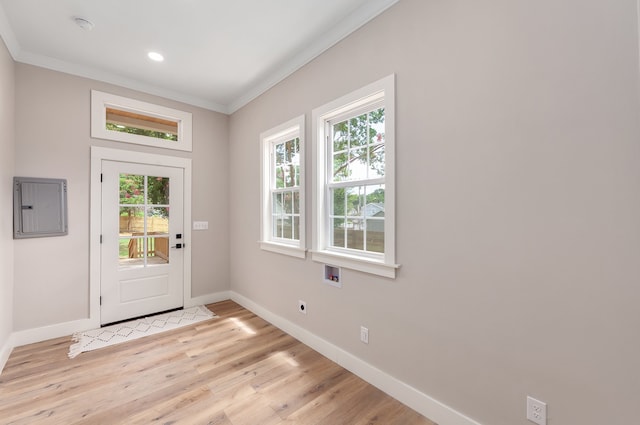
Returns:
<point x="364" y="334"/>
<point x="536" y="411"/>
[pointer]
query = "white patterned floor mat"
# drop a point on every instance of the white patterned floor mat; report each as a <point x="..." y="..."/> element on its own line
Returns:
<point x="128" y="331"/>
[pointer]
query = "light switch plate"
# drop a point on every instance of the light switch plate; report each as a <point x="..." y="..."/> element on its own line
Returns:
<point x="200" y="225"/>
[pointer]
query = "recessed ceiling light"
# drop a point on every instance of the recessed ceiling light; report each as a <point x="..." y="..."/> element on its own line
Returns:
<point x="155" y="56"/>
<point x="83" y="23"/>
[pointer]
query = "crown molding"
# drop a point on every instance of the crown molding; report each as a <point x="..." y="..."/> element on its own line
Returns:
<point x="341" y="30"/>
<point x="112" y="78"/>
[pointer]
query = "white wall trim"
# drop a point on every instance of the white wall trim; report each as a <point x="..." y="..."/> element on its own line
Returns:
<point x="30" y="336"/>
<point x="44" y="333"/>
<point x="5" y="351"/>
<point x="208" y="299"/>
<point x="420" y="402"/>
<point x="340" y="31"/>
<point x="93" y="73"/>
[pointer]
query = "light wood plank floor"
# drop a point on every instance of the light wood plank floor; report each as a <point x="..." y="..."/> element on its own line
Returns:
<point x="233" y="370"/>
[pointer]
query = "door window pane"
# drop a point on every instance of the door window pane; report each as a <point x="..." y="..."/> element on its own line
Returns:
<point x="157" y="250"/>
<point x="131" y="189"/>
<point x="131" y="220"/>
<point x="143" y="220"/>
<point x="131" y="252"/>
<point x="158" y="220"/>
<point x="158" y="189"/>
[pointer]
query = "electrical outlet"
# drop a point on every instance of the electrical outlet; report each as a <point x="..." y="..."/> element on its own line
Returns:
<point x="364" y="334"/>
<point x="302" y="307"/>
<point x="536" y="411"/>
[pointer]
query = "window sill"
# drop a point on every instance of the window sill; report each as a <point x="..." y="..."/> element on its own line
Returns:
<point x="356" y="263"/>
<point x="278" y="248"/>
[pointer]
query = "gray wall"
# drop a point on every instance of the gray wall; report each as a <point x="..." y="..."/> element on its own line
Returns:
<point x="7" y="143"/>
<point x="518" y="197"/>
<point x="518" y="205"/>
<point x="53" y="140"/>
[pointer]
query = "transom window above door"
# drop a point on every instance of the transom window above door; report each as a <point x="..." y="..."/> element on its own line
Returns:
<point x="144" y="125"/>
<point x="132" y="121"/>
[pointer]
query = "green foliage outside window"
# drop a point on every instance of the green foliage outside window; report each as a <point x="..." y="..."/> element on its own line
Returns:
<point x="359" y="140"/>
<point x="132" y="192"/>
<point x="287" y="165"/>
<point x="358" y="154"/>
<point x="142" y="132"/>
<point x="358" y="160"/>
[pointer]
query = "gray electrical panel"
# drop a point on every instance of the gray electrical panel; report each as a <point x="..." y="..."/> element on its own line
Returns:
<point x="39" y="207"/>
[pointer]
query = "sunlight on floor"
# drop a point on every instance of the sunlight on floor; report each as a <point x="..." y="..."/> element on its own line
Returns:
<point x="283" y="357"/>
<point x="242" y="326"/>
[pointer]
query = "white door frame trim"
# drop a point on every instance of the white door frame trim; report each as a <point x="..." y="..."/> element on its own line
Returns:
<point x="98" y="154"/>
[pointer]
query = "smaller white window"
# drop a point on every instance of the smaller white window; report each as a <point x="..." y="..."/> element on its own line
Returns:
<point x="282" y="224"/>
<point x="132" y="121"/>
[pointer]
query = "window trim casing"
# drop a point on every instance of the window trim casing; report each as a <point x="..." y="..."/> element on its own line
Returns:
<point x="292" y="128"/>
<point x="100" y="101"/>
<point x="383" y="89"/>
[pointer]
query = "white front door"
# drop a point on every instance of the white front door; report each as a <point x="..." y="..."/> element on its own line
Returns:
<point x="142" y="259"/>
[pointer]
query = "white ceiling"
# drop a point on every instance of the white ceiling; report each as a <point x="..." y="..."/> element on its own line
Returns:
<point x="219" y="54"/>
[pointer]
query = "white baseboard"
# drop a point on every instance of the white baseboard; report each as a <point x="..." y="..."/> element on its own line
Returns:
<point x="418" y="401"/>
<point x="5" y="352"/>
<point x="44" y="333"/>
<point x="58" y="330"/>
<point x="208" y="299"/>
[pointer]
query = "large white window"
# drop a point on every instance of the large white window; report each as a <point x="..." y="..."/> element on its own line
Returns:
<point x="282" y="201"/>
<point x="354" y="211"/>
